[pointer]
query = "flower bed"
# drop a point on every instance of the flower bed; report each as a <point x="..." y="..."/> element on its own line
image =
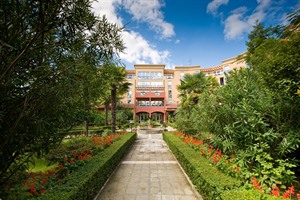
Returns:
<point x="80" y="173"/>
<point x="200" y="163"/>
<point x="86" y="182"/>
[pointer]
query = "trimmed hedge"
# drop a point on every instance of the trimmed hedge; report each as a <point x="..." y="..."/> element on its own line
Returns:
<point x="86" y="182"/>
<point x="243" y="194"/>
<point x="208" y="180"/>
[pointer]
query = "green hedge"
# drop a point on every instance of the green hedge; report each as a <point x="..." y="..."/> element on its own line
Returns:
<point x="208" y="180"/>
<point x="86" y="182"/>
<point x="243" y="194"/>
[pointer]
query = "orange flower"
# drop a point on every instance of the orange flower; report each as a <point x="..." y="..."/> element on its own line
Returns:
<point x="237" y="169"/>
<point x="256" y="184"/>
<point x="289" y="192"/>
<point x="275" y="191"/>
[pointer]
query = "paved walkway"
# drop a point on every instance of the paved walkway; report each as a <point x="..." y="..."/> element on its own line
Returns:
<point x="148" y="172"/>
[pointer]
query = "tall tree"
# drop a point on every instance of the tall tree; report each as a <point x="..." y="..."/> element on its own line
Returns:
<point x="44" y="47"/>
<point x="118" y="86"/>
<point x="192" y="85"/>
<point x="191" y="88"/>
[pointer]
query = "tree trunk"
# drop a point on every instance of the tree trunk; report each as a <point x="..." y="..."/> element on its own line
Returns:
<point x="106" y="107"/>
<point x="87" y="109"/>
<point x="113" y="109"/>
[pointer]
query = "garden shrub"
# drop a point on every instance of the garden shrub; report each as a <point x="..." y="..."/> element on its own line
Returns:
<point x="244" y="194"/>
<point x="208" y="180"/>
<point x="86" y="182"/>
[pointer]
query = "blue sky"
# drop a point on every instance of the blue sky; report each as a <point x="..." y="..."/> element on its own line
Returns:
<point x="189" y="32"/>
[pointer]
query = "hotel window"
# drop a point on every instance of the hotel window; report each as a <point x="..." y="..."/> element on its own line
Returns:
<point x="181" y="75"/>
<point x="143" y="84"/>
<point x="129" y="102"/>
<point x="169" y="85"/>
<point x="156" y="75"/>
<point x="157" y="84"/>
<point x="221" y="81"/>
<point x="130" y="76"/>
<point x="170" y="94"/>
<point x="169" y="76"/>
<point x="143" y="75"/>
<point x="170" y="101"/>
<point x="226" y="69"/>
<point x="129" y="95"/>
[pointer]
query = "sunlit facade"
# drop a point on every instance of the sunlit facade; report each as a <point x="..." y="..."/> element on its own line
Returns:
<point x="153" y="92"/>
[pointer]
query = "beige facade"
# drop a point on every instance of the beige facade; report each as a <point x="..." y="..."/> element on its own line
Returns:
<point x="153" y="92"/>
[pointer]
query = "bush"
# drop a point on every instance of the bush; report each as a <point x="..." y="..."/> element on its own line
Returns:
<point x="208" y="180"/>
<point x="243" y="194"/>
<point x="88" y="180"/>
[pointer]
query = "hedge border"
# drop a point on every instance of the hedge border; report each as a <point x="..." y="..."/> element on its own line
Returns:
<point x="207" y="179"/>
<point x="87" y="181"/>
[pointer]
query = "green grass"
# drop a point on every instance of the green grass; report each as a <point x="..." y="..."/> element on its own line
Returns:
<point x="41" y="165"/>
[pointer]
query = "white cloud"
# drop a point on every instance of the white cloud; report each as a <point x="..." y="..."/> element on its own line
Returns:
<point x="238" y="23"/>
<point x="138" y="49"/>
<point x="149" y="12"/>
<point x="177" y="41"/>
<point x="213" y="6"/>
<point x="108" y="8"/>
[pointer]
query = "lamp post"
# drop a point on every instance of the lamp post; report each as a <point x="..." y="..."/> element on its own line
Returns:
<point x="131" y="122"/>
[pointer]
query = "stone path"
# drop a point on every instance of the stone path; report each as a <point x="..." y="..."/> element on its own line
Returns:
<point x="148" y="172"/>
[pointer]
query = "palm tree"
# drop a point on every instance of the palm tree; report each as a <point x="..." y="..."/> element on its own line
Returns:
<point x="117" y="84"/>
<point x="192" y="85"/>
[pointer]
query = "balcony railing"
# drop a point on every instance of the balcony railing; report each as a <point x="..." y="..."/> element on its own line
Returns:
<point x="149" y="95"/>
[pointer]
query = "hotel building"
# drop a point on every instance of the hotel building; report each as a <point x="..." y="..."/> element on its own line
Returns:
<point x="153" y="92"/>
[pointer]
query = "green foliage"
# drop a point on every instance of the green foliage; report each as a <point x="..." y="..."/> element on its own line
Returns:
<point x="49" y="74"/>
<point x="208" y="180"/>
<point x="88" y="180"/>
<point x="191" y="89"/>
<point x="246" y="194"/>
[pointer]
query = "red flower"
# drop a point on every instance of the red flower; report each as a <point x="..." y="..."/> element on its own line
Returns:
<point x="186" y="139"/>
<point x="80" y="157"/>
<point x="61" y="166"/>
<point x="232" y="156"/>
<point x="215" y="160"/>
<point x="74" y="154"/>
<point x="33" y="191"/>
<point x="44" y="181"/>
<point x="202" y="152"/>
<point x="275" y="191"/>
<point x="42" y="191"/>
<point x="298" y="196"/>
<point x="237" y="169"/>
<point x="288" y="192"/>
<point x="256" y="184"/>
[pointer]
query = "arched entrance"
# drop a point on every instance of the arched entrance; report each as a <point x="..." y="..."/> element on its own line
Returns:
<point x="142" y="116"/>
<point x="157" y="116"/>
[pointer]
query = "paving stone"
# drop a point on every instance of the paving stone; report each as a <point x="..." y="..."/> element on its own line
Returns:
<point x="148" y="171"/>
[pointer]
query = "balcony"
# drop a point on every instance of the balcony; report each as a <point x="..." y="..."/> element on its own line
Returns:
<point x="150" y="95"/>
<point x="171" y="107"/>
<point x="149" y="109"/>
